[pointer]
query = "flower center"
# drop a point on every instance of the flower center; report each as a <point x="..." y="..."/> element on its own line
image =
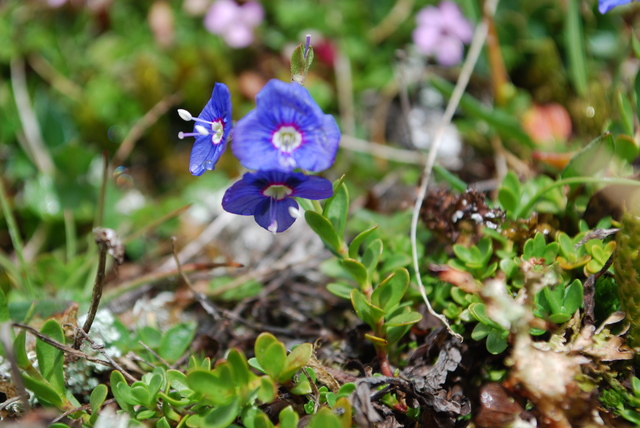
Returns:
<point x="287" y="139"/>
<point x="277" y="191"/>
<point x="217" y="130"/>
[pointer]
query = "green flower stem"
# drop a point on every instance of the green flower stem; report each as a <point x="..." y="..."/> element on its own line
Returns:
<point x="317" y="207"/>
<point x="575" y="180"/>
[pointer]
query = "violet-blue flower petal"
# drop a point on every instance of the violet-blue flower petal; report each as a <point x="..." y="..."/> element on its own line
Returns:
<point x="605" y="6"/>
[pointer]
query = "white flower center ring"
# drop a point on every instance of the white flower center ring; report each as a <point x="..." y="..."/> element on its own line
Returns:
<point x="287" y="139"/>
<point x="277" y="191"/>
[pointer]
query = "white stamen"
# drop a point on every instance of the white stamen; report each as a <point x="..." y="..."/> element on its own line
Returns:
<point x="294" y="212"/>
<point x="201" y="130"/>
<point x="181" y="135"/>
<point x="273" y="227"/>
<point x="184" y="115"/>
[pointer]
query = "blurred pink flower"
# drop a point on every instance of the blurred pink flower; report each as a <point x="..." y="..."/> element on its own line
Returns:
<point x="234" y="22"/>
<point x="442" y="32"/>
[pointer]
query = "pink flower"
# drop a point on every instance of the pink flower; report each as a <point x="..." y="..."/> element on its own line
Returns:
<point x="442" y="32"/>
<point x="234" y="22"/>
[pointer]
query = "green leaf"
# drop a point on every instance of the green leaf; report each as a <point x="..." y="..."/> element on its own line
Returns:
<point x="354" y="247"/>
<point x="177" y="380"/>
<point x="357" y="270"/>
<point x="340" y="289"/>
<point x="367" y="312"/>
<point x="263" y="341"/>
<point x="141" y="395"/>
<point x="300" y="63"/>
<point x="44" y="391"/>
<point x="267" y="390"/>
<point x="478" y="311"/>
<point x="371" y="257"/>
<point x="325" y="418"/>
<point x="288" y="418"/>
<point x="20" y="352"/>
<point x="97" y="397"/>
<point x="496" y="341"/>
<point x="176" y="340"/>
<point x="480" y="331"/>
<point x="573" y="297"/>
<point x="407" y="318"/>
<point x="336" y="209"/>
<point x="123" y="399"/>
<point x="303" y="387"/>
<point x="393" y="334"/>
<point x="239" y="367"/>
<point x="163" y="423"/>
<point x="574" y="45"/>
<point x="261" y="421"/>
<point x="50" y="358"/>
<point x="297" y="359"/>
<point x="626" y="113"/>
<point x="273" y="359"/>
<point x="391" y="290"/>
<point x="217" y="385"/>
<point x="324" y="229"/>
<point x="509" y="194"/>
<point x="592" y="158"/>
<point x="222" y="416"/>
<point x="4" y="308"/>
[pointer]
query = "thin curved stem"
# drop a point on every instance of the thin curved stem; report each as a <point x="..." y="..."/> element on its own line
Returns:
<point x="479" y="37"/>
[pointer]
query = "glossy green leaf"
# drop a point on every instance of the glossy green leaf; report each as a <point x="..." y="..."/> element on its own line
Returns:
<point x="267" y="390"/>
<point x="222" y="416"/>
<point x="163" y="423"/>
<point x="44" y="391"/>
<point x="367" y="312"/>
<point x="391" y="290"/>
<point x="177" y="380"/>
<point x="324" y="229"/>
<point x="376" y="340"/>
<point x="123" y="400"/>
<point x="302" y="387"/>
<point x="261" y="421"/>
<point x="142" y="396"/>
<point x="297" y="359"/>
<point x="574" y="297"/>
<point x="336" y="209"/>
<point x="340" y="289"/>
<point x="509" y="194"/>
<point x="325" y="418"/>
<point x="496" y="341"/>
<point x="371" y="257"/>
<point x="20" y="352"/>
<point x="592" y="158"/>
<point x="480" y="331"/>
<point x="176" y="341"/>
<point x="97" y="397"/>
<point x="263" y="341"/>
<point x="239" y="367"/>
<point x="215" y="385"/>
<point x="407" y="318"/>
<point x="357" y="270"/>
<point x="354" y="247"/>
<point x="478" y="311"/>
<point x="50" y="358"/>
<point x="274" y="359"/>
<point x="288" y="418"/>
<point x="393" y="334"/>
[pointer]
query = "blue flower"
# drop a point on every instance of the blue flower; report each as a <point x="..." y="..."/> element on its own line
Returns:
<point x="268" y="196"/>
<point x="605" y="6"/>
<point x="211" y="130"/>
<point x="287" y="130"/>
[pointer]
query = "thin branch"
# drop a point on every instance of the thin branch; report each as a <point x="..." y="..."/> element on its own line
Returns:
<point x="479" y="38"/>
<point x="80" y="409"/>
<point x="97" y="292"/>
<point x="382" y="151"/>
<point x="112" y="362"/>
<point x="154" y="353"/>
<point x="67" y="349"/>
